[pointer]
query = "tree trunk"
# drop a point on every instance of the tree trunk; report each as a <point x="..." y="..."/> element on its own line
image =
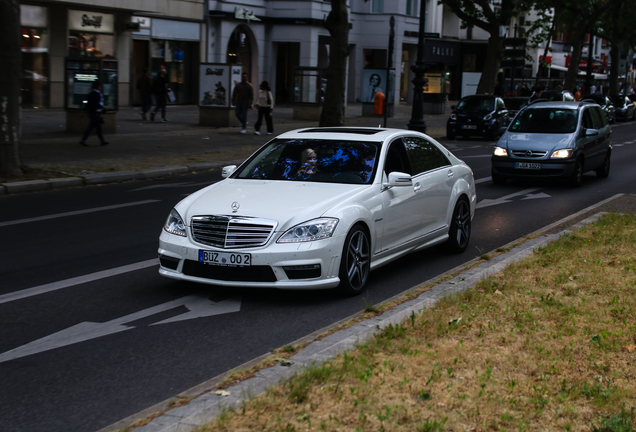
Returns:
<point x="573" y="70"/>
<point x="10" y="41"/>
<point x="333" y="108"/>
<point x="494" y="54"/>
<point x="615" y="52"/>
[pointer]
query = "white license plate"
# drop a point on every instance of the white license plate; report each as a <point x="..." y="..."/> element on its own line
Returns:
<point x="469" y="127"/>
<point x="526" y="165"/>
<point x="225" y="258"/>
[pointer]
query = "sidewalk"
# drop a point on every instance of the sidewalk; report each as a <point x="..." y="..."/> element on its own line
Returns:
<point x="145" y="149"/>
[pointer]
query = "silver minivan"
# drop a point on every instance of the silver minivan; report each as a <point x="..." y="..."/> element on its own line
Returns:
<point x="554" y="140"/>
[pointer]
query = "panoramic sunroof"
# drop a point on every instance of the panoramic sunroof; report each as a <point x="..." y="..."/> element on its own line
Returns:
<point x="344" y="130"/>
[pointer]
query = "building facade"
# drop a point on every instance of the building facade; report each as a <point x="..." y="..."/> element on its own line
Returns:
<point x="67" y="44"/>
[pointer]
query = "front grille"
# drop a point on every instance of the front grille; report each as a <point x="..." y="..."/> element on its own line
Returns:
<point x="229" y="232"/>
<point x="234" y="274"/>
<point x="529" y="153"/>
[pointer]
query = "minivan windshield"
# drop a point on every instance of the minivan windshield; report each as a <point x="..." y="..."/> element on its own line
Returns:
<point x="476" y="103"/>
<point x="546" y="120"/>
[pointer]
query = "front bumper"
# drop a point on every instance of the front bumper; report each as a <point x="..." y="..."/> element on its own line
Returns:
<point x="482" y="128"/>
<point x="310" y="265"/>
<point x="550" y="168"/>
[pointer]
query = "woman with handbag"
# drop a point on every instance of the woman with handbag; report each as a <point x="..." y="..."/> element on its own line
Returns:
<point x="265" y="105"/>
<point x="95" y="107"/>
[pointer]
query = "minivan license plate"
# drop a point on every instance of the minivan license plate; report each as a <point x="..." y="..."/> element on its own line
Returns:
<point x="225" y="258"/>
<point x="526" y="165"/>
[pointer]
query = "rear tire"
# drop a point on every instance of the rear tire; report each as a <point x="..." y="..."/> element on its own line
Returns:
<point x="355" y="264"/>
<point x="604" y="170"/>
<point x="576" y="179"/>
<point x="460" y="227"/>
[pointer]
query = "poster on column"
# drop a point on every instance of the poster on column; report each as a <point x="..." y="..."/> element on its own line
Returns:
<point x="214" y="85"/>
<point x="375" y="81"/>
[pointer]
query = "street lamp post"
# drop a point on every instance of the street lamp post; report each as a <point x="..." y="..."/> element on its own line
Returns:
<point x="417" y="113"/>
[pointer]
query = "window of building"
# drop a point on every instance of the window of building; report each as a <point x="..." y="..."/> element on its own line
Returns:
<point x="82" y="44"/>
<point x="411" y="8"/>
<point x="377" y="6"/>
<point x="35" y="56"/>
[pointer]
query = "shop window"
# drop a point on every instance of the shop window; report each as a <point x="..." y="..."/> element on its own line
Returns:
<point x="34" y="88"/>
<point x="411" y="8"/>
<point x="82" y="44"/>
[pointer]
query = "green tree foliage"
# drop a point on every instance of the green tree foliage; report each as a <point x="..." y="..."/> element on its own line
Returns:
<point x="490" y="16"/>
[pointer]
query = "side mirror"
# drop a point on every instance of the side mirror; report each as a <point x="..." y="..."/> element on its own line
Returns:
<point x="591" y="132"/>
<point x="228" y="170"/>
<point x="398" y="179"/>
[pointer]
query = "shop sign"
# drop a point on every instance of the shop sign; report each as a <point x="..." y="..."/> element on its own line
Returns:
<point x="442" y="52"/>
<point x="144" y="22"/>
<point x="33" y="16"/>
<point x="245" y="14"/>
<point x="94" y="22"/>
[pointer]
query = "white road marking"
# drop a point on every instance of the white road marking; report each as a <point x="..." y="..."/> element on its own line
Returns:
<point x="74" y="213"/>
<point x="54" y="286"/>
<point x="198" y="307"/>
<point x="506" y="199"/>
<point x="482" y="180"/>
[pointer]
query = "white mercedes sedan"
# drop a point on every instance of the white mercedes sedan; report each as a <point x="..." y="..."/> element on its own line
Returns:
<point x="320" y="208"/>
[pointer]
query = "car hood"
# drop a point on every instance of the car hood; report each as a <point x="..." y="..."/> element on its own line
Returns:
<point x="287" y="202"/>
<point x="472" y="114"/>
<point x="535" y="141"/>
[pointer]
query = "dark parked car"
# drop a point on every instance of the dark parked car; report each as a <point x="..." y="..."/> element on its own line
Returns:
<point x="483" y="115"/>
<point x="632" y="98"/>
<point x="554" y="140"/>
<point x="625" y="109"/>
<point x="606" y="105"/>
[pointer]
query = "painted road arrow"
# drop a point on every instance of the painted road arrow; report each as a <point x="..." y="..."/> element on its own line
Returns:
<point x="506" y="199"/>
<point x="197" y="306"/>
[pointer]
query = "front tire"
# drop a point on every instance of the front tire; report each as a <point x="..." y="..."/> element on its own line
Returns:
<point x="355" y="264"/>
<point x="576" y="179"/>
<point x="460" y="227"/>
<point x="604" y="170"/>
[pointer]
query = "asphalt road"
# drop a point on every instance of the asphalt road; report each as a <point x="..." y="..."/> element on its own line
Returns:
<point x="90" y="333"/>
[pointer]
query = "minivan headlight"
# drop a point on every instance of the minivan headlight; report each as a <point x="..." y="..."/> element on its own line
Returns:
<point x="561" y="154"/>
<point x="312" y="230"/>
<point x="500" y="151"/>
<point x="174" y="224"/>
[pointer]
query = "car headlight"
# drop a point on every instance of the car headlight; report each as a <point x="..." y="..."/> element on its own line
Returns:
<point x="488" y="117"/>
<point x="500" y="151"/>
<point x="174" y="224"/>
<point x="312" y="230"/>
<point x="453" y="116"/>
<point x="561" y="154"/>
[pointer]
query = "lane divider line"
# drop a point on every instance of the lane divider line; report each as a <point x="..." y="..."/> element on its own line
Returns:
<point x="54" y="286"/>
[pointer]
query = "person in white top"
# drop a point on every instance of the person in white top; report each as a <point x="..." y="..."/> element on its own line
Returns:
<point x="265" y="105"/>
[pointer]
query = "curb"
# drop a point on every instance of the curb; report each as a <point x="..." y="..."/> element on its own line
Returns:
<point x="13" y="188"/>
<point x="207" y="405"/>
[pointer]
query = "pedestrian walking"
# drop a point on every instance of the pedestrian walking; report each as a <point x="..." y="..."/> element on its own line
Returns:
<point x="144" y="85"/>
<point x="160" y="90"/>
<point x="242" y="98"/>
<point x="95" y="108"/>
<point x="538" y="92"/>
<point x="265" y="106"/>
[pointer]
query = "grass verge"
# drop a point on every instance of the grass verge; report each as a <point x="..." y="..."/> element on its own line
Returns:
<point x="548" y="344"/>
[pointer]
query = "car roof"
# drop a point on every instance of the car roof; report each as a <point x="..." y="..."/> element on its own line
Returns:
<point x="351" y="133"/>
<point x="559" y="104"/>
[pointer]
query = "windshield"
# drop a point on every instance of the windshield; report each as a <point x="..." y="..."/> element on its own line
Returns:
<point x="476" y="104"/>
<point x="545" y="120"/>
<point x="313" y="160"/>
<point x="617" y="100"/>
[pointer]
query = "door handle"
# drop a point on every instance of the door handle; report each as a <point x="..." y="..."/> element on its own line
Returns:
<point x="450" y="173"/>
<point x="417" y="186"/>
